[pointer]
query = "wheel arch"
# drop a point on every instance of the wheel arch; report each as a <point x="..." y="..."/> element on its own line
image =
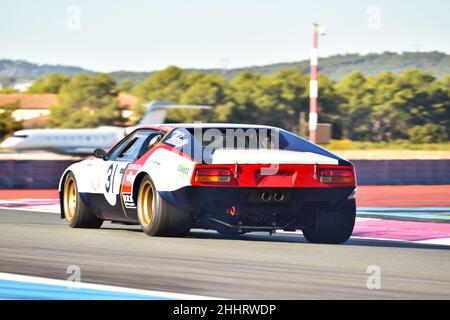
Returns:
<point x="136" y="183"/>
<point x="61" y="192"/>
<point x="77" y="169"/>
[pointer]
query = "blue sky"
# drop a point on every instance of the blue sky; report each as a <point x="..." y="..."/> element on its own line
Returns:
<point x="149" y="35"/>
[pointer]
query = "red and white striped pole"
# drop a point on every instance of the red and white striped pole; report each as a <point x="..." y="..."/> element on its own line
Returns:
<point x="314" y="84"/>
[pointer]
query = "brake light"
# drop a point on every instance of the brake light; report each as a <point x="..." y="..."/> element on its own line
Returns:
<point x="213" y="175"/>
<point x="336" y="176"/>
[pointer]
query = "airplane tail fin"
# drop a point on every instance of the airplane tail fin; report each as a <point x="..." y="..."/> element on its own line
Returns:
<point x="157" y="110"/>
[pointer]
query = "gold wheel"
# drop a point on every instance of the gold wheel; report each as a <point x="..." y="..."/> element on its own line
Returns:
<point x="70" y="198"/>
<point x="145" y="205"/>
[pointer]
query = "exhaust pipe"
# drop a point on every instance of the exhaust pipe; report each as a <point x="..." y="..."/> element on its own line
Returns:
<point x="266" y="196"/>
<point x="279" y="196"/>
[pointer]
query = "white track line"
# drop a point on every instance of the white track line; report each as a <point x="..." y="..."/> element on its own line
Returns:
<point x="445" y="241"/>
<point x="101" y="287"/>
<point x="43" y="209"/>
<point x="442" y="241"/>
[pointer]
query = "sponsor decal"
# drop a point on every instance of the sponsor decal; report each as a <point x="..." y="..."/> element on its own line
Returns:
<point x="130" y="176"/>
<point x="95" y="185"/>
<point x="134" y="166"/>
<point x="183" y="169"/>
<point x="131" y="172"/>
<point x="128" y="200"/>
<point x="177" y="139"/>
<point x="154" y="162"/>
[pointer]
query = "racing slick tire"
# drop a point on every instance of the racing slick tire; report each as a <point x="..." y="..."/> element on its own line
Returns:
<point x="77" y="214"/>
<point x="156" y="216"/>
<point x="332" y="226"/>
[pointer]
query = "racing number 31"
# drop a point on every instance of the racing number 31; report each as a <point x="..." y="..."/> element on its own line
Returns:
<point x="112" y="184"/>
<point x="111" y="173"/>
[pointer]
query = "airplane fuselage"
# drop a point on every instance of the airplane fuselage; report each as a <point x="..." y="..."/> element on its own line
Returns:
<point x="65" y="141"/>
<point x="85" y="141"/>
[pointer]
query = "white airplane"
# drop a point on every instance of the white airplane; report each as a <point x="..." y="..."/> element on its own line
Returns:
<point x="85" y="141"/>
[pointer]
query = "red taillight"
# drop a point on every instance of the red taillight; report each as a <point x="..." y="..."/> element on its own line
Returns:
<point x="231" y="211"/>
<point x="213" y="175"/>
<point x="336" y="176"/>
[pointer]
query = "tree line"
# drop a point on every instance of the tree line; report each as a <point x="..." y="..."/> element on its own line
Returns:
<point x="412" y="106"/>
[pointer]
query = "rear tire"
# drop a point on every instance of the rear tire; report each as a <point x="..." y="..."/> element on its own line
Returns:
<point x="157" y="217"/>
<point x="77" y="214"/>
<point x="332" y="226"/>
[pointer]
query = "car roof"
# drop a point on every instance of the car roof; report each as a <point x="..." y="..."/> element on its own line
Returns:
<point x="167" y="127"/>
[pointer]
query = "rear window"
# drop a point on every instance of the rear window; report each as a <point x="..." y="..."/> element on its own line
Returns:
<point x="225" y="138"/>
<point x="201" y="143"/>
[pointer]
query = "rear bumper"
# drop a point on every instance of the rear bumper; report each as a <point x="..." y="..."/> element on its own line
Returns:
<point x="208" y="205"/>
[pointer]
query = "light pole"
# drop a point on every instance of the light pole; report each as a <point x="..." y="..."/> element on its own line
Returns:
<point x="314" y="84"/>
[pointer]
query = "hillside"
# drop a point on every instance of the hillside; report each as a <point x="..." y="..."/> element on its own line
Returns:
<point x="336" y="67"/>
<point x="339" y="66"/>
<point x="13" y="71"/>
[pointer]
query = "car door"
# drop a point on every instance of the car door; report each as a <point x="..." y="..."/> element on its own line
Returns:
<point x="113" y="169"/>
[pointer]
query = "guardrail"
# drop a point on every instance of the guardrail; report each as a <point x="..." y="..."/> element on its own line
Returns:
<point x="45" y="174"/>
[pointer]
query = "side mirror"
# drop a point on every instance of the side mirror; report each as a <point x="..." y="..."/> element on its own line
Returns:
<point x="154" y="141"/>
<point x="100" y="153"/>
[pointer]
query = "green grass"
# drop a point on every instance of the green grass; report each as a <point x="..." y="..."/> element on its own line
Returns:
<point x="395" y="145"/>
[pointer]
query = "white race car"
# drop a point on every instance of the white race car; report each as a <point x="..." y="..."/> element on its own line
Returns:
<point x="231" y="178"/>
